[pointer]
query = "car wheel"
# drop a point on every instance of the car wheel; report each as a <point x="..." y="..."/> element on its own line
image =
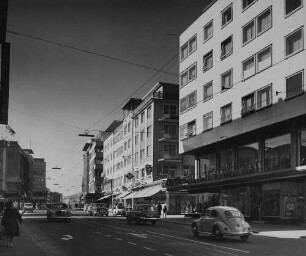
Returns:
<point x="217" y="233"/>
<point x="128" y="220"/>
<point x="153" y="222"/>
<point x="244" y="238"/>
<point x="195" y="231"/>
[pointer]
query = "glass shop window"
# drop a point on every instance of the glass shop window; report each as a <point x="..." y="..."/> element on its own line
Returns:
<point x="247" y="159"/>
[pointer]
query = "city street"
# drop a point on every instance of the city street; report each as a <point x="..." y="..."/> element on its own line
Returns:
<point x="86" y="235"/>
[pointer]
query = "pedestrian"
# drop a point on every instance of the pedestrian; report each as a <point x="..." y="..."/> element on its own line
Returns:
<point x="10" y="220"/>
<point x="165" y="210"/>
<point x="159" y="208"/>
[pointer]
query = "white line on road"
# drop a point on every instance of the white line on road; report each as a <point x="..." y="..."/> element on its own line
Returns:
<point x="118" y="238"/>
<point x="167" y="254"/>
<point x="108" y="235"/>
<point x="147" y="248"/>
<point x="195" y="241"/>
<point x="132" y="243"/>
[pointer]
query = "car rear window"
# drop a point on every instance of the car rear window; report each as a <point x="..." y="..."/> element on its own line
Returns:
<point x="59" y="206"/>
<point x="28" y="204"/>
<point x="232" y="213"/>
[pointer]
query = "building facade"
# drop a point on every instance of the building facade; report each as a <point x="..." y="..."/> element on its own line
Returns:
<point x="39" y="190"/>
<point x="243" y="107"/>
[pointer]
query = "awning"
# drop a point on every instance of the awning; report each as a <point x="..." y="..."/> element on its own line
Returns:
<point x="147" y="192"/>
<point x="132" y="195"/>
<point x="122" y="195"/>
<point x="104" y="197"/>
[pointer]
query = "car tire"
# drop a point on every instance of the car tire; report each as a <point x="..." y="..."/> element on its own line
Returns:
<point x="195" y="231"/>
<point x="128" y="220"/>
<point x="244" y="238"/>
<point x="153" y="222"/>
<point x="217" y="233"/>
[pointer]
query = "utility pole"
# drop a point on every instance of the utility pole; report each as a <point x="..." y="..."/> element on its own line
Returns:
<point x="4" y="64"/>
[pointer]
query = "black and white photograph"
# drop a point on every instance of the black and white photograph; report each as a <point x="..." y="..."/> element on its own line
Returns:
<point x="152" y="127"/>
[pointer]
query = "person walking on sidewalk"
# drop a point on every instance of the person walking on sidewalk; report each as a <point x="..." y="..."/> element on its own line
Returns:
<point x="10" y="220"/>
<point x="159" y="208"/>
<point x="165" y="211"/>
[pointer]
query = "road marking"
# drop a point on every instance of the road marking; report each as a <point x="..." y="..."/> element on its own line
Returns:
<point x="108" y="235"/>
<point x="67" y="237"/>
<point x="132" y="243"/>
<point x="138" y="235"/>
<point x="118" y="238"/>
<point x="167" y="254"/>
<point x="195" y="241"/>
<point x="149" y="249"/>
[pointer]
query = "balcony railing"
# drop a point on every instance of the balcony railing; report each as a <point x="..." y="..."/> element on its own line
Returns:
<point x="166" y="156"/>
<point x="169" y="136"/>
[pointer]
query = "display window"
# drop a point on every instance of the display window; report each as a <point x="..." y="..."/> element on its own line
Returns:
<point x="271" y="200"/>
<point x="247" y="159"/>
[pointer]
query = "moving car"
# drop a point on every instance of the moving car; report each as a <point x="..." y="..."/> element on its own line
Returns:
<point x="222" y="221"/>
<point x="98" y="209"/>
<point x="142" y="214"/>
<point x="58" y="211"/>
<point x="28" y="207"/>
<point x="119" y="210"/>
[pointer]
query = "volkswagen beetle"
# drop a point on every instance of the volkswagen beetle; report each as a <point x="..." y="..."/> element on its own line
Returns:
<point x="222" y="221"/>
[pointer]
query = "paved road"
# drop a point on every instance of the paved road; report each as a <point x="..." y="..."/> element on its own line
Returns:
<point x="113" y="236"/>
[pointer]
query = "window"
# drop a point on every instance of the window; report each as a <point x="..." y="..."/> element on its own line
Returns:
<point x="207" y="166"/>
<point x="183" y="104"/>
<point x="294" y="84"/>
<point x="188" y="130"/>
<point x="141" y="135"/>
<point x="277" y="153"/>
<point x="226" y="114"/>
<point x="294" y="42"/>
<point x="227" y="80"/>
<point x="247" y="3"/>
<point x="149" y="131"/>
<point x="184" y="78"/>
<point x="248" y="104"/>
<point x="184" y="51"/>
<point x="136" y="122"/>
<point x="208" y="31"/>
<point x="264" y="58"/>
<point x="208" y="90"/>
<point x="248" y="32"/>
<point x="148" y="151"/>
<point x="208" y="121"/>
<point x="192" y="72"/>
<point x="302" y="137"/>
<point x="226" y="158"/>
<point x="271" y="200"/>
<point x="142" y="117"/>
<point x="170" y="110"/>
<point x="292" y="6"/>
<point x="136" y="139"/>
<point x="227" y="15"/>
<point x="189" y="101"/>
<point x="227" y="47"/>
<point x="264" y="97"/>
<point x="192" y="99"/>
<point x="129" y="127"/>
<point x="170" y="149"/>
<point x="192" y="44"/>
<point x="264" y="21"/>
<point x="248" y="67"/>
<point x="149" y="112"/>
<point x="247" y="158"/>
<point x="208" y="61"/>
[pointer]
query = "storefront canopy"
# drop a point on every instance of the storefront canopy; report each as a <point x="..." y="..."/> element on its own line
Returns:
<point x="146" y="192"/>
<point x="123" y="194"/>
<point x="104" y="197"/>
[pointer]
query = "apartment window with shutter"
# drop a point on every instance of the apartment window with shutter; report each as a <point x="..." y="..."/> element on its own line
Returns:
<point x="184" y="78"/>
<point x="292" y="5"/>
<point x="264" y="21"/>
<point x="184" y="51"/>
<point x="226" y="113"/>
<point x="227" y="15"/>
<point x="208" y="61"/>
<point x="208" y="91"/>
<point x="208" y="31"/>
<point x="247" y="3"/>
<point x="227" y="47"/>
<point x="192" y="72"/>
<point x="227" y="80"/>
<point x="248" y="104"/>
<point x="208" y="121"/>
<point x="264" y="97"/>
<point x="183" y="104"/>
<point x="248" y="32"/>
<point x="264" y="58"/>
<point x="192" y="44"/>
<point x="294" y="42"/>
<point x="192" y="99"/>
<point x="294" y="84"/>
<point x="248" y="67"/>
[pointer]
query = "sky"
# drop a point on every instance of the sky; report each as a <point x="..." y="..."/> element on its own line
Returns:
<point x="75" y="63"/>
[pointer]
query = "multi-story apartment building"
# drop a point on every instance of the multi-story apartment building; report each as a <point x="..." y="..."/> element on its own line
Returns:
<point x="39" y="194"/>
<point x="243" y="107"/>
<point x="142" y="152"/>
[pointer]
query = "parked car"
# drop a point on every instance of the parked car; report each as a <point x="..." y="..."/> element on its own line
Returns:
<point x="119" y="210"/>
<point x="142" y="214"/>
<point x="58" y="211"/>
<point x="98" y="209"/>
<point x="28" y="207"/>
<point x="222" y="221"/>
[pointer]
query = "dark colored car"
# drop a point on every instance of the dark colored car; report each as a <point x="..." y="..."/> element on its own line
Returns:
<point x="142" y="214"/>
<point x="222" y="221"/>
<point x="58" y="211"/>
<point x="98" y="209"/>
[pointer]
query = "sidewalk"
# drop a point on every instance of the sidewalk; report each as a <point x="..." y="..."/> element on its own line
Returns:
<point x="258" y="228"/>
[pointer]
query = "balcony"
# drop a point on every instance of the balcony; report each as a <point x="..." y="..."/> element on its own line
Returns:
<point x="166" y="157"/>
<point x="169" y="118"/>
<point x="169" y="137"/>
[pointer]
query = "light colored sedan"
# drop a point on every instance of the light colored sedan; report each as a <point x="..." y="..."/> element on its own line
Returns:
<point x="222" y="221"/>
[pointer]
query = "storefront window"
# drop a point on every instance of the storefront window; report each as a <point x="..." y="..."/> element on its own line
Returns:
<point x="271" y="200"/>
<point x="278" y="153"/>
<point x="226" y="163"/>
<point x="303" y="147"/>
<point x="207" y="167"/>
<point x="248" y="159"/>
